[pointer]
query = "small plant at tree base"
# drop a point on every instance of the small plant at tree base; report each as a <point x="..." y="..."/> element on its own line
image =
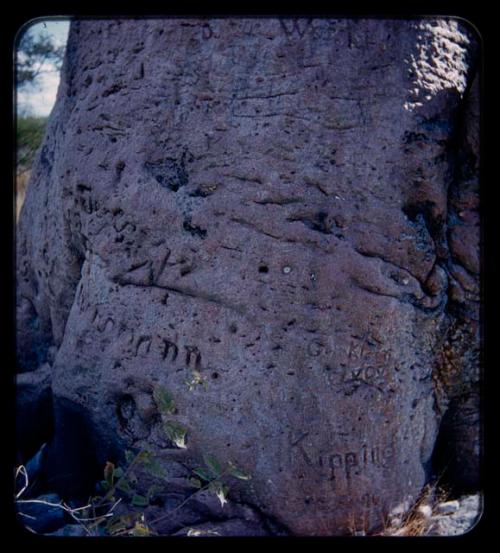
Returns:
<point x="210" y="477"/>
<point x="164" y="401"/>
<point x="124" y="480"/>
<point x="196" y="379"/>
<point x="176" y="433"/>
<point x="119" y="484"/>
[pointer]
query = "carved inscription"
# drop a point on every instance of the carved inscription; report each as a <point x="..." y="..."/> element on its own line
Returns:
<point x="298" y="443"/>
<point x="298" y="27"/>
<point x="143" y="345"/>
<point x="301" y="27"/>
<point x="364" y="374"/>
<point x="369" y="501"/>
<point x="169" y="350"/>
<point x="101" y="322"/>
<point x="193" y="357"/>
<point x="353" y="463"/>
<point x="147" y="272"/>
<point x="206" y="31"/>
<point x="363" y="363"/>
<point x="185" y="357"/>
<point x="340" y="467"/>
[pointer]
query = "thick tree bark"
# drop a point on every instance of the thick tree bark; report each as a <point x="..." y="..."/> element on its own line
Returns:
<point x="282" y="213"/>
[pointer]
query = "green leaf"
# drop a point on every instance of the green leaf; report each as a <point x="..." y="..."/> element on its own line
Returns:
<point x="164" y="401"/>
<point x="203" y="474"/>
<point x="124" y="486"/>
<point x="121" y="522"/>
<point x="154" y="468"/>
<point x="152" y="491"/>
<point x="118" y="473"/>
<point x="195" y="482"/>
<point x="144" y="456"/>
<point x="176" y="434"/>
<point x="220" y="490"/>
<point x="237" y="473"/>
<point x="139" y="501"/>
<point x="213" y="465"/>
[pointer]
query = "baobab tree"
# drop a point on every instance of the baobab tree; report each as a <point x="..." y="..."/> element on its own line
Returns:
<point x="275" y="222"/>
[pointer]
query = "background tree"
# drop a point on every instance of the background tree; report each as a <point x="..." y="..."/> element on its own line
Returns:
<point x="36" y="54"/>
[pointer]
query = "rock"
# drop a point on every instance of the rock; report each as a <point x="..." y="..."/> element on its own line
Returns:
<point x="261" y="217"/>
<point x="168" y="519"/>
<point x="201" y="507"/>
<point x="41" y="514"/>
<point x="72" y="466"/>
<point x="447" y="508"/>
<point x="35" y="474"/>
<point x="34" y="465"/>
<point x="74" y="530"/>
<point x="459" y="521"/>
<point x="401" y="509"/>
<point x="234" y="528"/>
<point x="34" y="420"/>
<point x="425" y="511"/>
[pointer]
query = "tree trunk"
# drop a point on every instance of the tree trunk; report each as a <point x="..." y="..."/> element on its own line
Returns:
<point x="276" y="221"/>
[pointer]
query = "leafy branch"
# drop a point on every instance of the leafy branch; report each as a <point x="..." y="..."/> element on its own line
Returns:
<point x="209" y="478"/>
<point x="32" y="56"/>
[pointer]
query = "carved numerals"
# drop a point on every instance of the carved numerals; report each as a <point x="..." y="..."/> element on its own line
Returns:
<point x="365" y="365"/>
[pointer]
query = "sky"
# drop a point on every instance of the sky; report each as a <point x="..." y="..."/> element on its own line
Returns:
<point x="38" y="101"/>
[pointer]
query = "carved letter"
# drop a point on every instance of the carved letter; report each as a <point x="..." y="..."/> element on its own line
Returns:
<point x="170" y="350"/>
<point x="193" y="357"/>
<point x="351" y="460"/>
<point x="335" y="461"/>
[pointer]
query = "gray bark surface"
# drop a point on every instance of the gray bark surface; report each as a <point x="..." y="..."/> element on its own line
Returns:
<point x="286" y="210"/>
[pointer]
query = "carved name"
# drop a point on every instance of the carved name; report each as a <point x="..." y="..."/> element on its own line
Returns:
<point x="354" y="463"/>
<point x="186" y="356"/>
